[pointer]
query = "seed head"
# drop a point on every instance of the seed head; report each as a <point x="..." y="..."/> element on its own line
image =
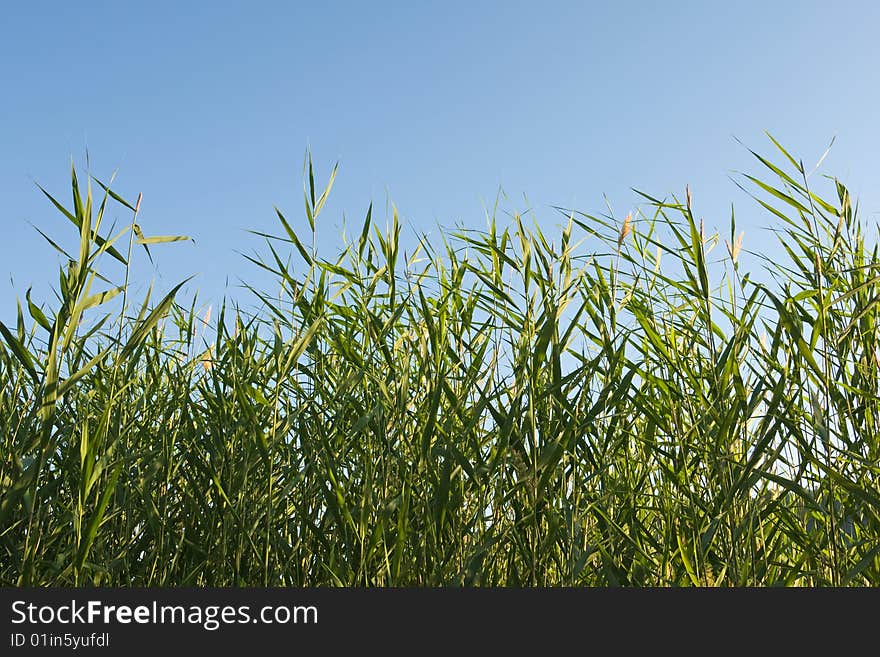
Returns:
<point x="734" y="249"/>
<point x="625" y="230"/>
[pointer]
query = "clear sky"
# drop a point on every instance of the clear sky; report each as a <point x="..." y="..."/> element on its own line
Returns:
<point x="207" y="108"/>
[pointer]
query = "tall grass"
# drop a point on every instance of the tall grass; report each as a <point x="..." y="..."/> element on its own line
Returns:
<point x="618" y="403"/>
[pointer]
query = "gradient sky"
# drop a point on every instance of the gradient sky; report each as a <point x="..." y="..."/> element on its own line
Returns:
<point x="208" y="108"/>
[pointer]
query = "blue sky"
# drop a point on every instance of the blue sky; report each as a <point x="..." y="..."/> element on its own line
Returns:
<point x="208" y="108"/>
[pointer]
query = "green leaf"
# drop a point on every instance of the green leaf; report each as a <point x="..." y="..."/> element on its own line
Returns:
<point x="98" y="516"/>
<point x="145" y="326"/>
<point x="97" y="299"/>
<point x="20" y="352"/>
<point x="76" y="222"/>
<point x="162" y="239"/>
<point x="36" y="313"/>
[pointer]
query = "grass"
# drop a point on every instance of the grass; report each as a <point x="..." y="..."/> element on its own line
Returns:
<point x="619" y="403"/>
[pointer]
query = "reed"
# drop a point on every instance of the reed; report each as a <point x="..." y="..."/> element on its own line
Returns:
<point x="616" y="403"/>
